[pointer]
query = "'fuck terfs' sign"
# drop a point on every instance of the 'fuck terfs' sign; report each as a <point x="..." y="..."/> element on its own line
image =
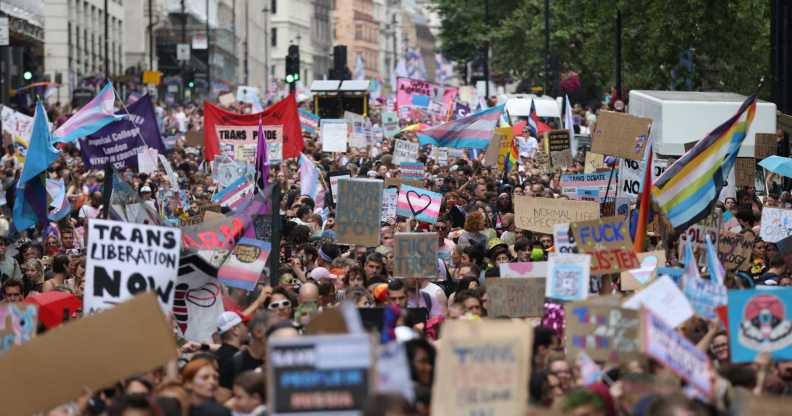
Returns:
<point x="609" y="243"/>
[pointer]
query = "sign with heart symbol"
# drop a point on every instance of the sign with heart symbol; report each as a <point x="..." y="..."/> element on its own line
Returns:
<point x="422" y="204"/>
<point x="634" y="279"/>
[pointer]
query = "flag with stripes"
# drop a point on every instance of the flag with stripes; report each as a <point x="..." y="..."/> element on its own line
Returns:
<point x="472" y="132"/>
<point x="309" y="122"/>
<point x="688" y="190"/>
<point x="99" y="112"/>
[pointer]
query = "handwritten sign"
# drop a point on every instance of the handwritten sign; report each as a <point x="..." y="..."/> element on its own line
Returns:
<point x="776" y="224"/>
<point x="320" y="374"/>
<point x="504" y="136"/>
<point x="589" y="186"/>
<point x="404" y="151"/>
<point x="734" y="250"/>
<point x="634" y="279"/>
<point x="415" y="255"/>
<point x="524" y="270"/>
<point x="515" y="298"/>
<point x="541" y="214"/>
<point x="698" y="232"/>
<point x="603" y="330"/>
<point x="765" y="145"/>
<point x="18" y="324"/>
<point x="412" y="171"/>
<point x="421" y="204"/>
<point x="390" y="197"/>
<point x="562" y="159"/>
<point x="568" y="276"/>
<point x="556" y="141"/>
<point x="704" y="295"/>
<point x="334" y="134"/>
<point x="125" y="259"/>
<point x="745" y="171"/>
<point x="242" y="269"/>
<point x="760" y="320"/>
<point x="620" y="134"/>
<point x="358" y="212"/>
<point x="390" y="124"/>
<point x="661" y="342"/>
<point x="609" y="243"/>
<point x="594" y="162"/>
<point x="664" y="298"/>
<point x="483" y="368"/>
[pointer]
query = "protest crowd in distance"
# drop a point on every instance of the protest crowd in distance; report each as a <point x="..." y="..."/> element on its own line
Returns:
<point x="432" y="256"/>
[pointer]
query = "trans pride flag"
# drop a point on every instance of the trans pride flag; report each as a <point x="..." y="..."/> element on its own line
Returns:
<point x="472" y="132"/>
<point x="99" y="112"/>
<point x="309" y="122"/>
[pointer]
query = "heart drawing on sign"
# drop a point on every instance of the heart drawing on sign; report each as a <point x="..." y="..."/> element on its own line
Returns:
<point x="420" y="199"/>
<point x="648" y="265"/>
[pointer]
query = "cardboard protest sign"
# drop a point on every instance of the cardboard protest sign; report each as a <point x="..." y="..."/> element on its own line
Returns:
<point x="414" y="93"/>
<point x="664" y="298"/>
<point x="563" y="240"/>
<point x="100" y="350"/>
<point x="491" y="154"/>
<point x="620" y="134"/>
<point x="734" y="250"/>
<point x="698" y="232"/>
<point x="227" y="100"/>
<point x="358" y="212"/>
<point x="240" y="142"/>
<point x="661" y="342"/>
<point x="482" y="368"/>
<point x="412" y="171"/>
<point x="541" y="214"/>
<point x="398" y="182"/>
<point x="524" y="270"/>
<point x="760" y="320"/>
<point x="390" y="197"/>
<point x="776" y="224"/>
<point x="704" y="295"/>
<point x="390" y="124"/>
<point x="393" y="370"/>
<point x="18" y="324"/>
<point x="404" y="151"/>
<point x="319" y="374"/>
<point x="594" y="162"/>
<point x="334" y="178"/>
<point x="439" y="155"/>
<point x="515" y="298"/>
<point x="603" y="330"/>
<point x="765" y="145"/>
<point x="609" y="243"/>
<point x="745" y="171"/>
<point x="242" y="269"/>
<point x="125" y="259"/>
<point x="765" y="405"/>
<point x="194" y="138"/>
<point x="556" y="141"/>
<point x="634" y="279"/>
<point x="415" y="255"/>
<point x="359" y="129"/>
<point x="562" y="159"/>
<point x="589" y="186"/>
<point x="504" y="137"/>
<point x="630" y="179"/>
<point x="422" y="204"/>
<point x="568" y="276"/>
<point x="198" y="300"/>
<point x="334" y="135"/>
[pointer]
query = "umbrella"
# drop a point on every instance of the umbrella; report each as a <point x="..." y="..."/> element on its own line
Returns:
<point x="778" y="164"/>
<point x="53" y="306"/>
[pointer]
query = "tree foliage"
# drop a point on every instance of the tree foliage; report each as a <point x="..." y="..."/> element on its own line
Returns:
<point x="728" y="40"/>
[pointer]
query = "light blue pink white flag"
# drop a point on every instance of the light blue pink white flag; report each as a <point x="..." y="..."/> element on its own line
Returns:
<point x="99" y="112"/>
<point x="309" y="178"/>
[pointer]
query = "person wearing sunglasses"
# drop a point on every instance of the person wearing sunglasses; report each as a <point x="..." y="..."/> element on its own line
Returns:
<point x="281" y="304"/>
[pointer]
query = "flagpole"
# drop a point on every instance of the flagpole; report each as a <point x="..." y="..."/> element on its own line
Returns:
<point x="137" y="130"/>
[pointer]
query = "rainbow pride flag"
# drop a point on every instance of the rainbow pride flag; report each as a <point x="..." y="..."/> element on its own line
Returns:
<point x="688" y="190"/>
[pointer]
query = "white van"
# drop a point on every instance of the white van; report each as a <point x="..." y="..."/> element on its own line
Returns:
<point x="518" y="106"/>
<point x="681" y="117"/>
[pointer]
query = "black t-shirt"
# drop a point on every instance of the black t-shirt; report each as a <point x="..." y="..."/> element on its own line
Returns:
<point x="224" y="353"/>
<point x="240" y="362"/>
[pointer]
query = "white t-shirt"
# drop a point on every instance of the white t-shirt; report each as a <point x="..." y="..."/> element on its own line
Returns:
<point x="438" y="299"/>
<point x="89" y="212"/>
<point x="181" y="121"/>
<point x="527" y="146"/>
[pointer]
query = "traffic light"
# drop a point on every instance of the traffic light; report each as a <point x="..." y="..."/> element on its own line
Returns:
<point x="27" y="75"/>
<point x="293" y="64"/>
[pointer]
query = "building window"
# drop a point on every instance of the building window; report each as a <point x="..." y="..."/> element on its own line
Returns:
<point x="274" y="6"/>
<point x="358" y="31"/>
<point x="274" y="37"/>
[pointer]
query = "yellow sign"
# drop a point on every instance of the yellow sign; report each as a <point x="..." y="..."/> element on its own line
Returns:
<point x="504" y="137"/>
<point x="151" y="77"/>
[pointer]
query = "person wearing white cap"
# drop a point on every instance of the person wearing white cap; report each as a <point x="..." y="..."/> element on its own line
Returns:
<point x="232" y="332"/>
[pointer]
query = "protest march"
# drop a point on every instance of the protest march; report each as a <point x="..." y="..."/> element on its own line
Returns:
<point x="431" y="254"/>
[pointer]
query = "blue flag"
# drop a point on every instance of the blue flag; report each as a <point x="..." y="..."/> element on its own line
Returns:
<point x="30" y="206"/>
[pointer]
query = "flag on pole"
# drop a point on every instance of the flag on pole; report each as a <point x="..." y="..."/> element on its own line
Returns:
<point x="99" y="112"/>
<point x="309" y="178"/>
<point x="360" y="67"/>
<point x="309" y="122"/>
<point x="30" y="205"/>
<point x="472" y="132"/>
<point x="535" y="125"/>
<point x="262" y="162"/>
<point x="714" y="266"/>
<point x="639" y="239"/>
<point x="688" y="190"/>
<point x="569" y="123"/>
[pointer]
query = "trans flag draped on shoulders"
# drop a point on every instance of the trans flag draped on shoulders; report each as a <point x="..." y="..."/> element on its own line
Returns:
<point x="472" y="132"/>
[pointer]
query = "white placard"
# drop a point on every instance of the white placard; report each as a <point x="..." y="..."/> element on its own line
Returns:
<point x="404" y="151"/>
<point x="664" y="299"/>
<point x="334" y="135"/>
<point x="776" y="224"/>
<point x="125" y="259"/>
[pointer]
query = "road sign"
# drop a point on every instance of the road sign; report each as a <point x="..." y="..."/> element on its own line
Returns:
<point x="199" y="41"/>
<point x="183" y="52"/>
<point x="4" y="41"/>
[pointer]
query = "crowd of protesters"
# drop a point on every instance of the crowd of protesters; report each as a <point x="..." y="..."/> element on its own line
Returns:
<point x="476" y="233"/>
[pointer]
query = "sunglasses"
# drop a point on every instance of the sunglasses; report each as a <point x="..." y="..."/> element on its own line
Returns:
<point x="279" y="305"/>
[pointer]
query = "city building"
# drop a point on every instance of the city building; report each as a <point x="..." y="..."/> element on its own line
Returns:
<point x="25" y="51"/>
<point x="291" y="24"/>
<point x="358" y="29"/>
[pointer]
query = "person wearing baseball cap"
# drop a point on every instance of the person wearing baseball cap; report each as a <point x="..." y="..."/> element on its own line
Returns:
<point x="232" y="333"/>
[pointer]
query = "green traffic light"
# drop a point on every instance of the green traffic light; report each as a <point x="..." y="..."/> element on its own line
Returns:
<point x="190" y="84"/>
<point x="296" y="77"/>
<point x="27" y="75"/>
<point x="289" y="78"/>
